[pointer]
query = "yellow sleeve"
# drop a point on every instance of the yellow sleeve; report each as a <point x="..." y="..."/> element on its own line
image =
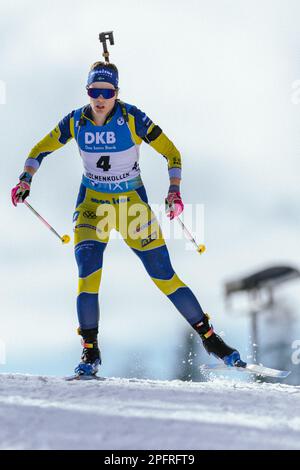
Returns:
<point x="56" y="139"/>
<point x="143" y="129"/>
<point x="162" y="144"/>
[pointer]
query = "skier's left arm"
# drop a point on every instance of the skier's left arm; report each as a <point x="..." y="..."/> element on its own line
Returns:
<point x="157" y="139"/>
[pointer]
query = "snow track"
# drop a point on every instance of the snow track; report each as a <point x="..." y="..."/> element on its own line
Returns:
<point x="50" y="413"/>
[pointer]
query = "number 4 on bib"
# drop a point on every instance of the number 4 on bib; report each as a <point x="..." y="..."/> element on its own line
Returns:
<point x="103" y="163"/>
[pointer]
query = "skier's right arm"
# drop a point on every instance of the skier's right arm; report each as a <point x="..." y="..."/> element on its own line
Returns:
<point x="58" y="137"/>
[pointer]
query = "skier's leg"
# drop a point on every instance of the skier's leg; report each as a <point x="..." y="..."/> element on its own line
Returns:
<point x="89" y="257"/>
<point x="147" y="241"/>
<point x="89" y="249"/>
<point x="158" y="265"/>
<point x="150" y="247"/>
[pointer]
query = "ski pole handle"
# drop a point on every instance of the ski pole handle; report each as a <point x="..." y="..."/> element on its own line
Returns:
<point x="65" y="238"/>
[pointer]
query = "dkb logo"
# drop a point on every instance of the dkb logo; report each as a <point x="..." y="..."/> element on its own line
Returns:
<point x="99" y="138"/>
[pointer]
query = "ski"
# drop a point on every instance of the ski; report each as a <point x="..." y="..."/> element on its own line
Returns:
<point x="251" y="369"/>
<point x="82" y="377"/>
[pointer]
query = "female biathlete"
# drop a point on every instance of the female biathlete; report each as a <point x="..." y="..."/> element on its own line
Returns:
<point x="109" y="133"/>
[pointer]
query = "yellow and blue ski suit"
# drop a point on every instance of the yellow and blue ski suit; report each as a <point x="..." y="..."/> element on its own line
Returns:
<point x="110" y="195"/>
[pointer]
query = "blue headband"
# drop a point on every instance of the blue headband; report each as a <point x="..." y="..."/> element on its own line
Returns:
<point x="104" y="75"/>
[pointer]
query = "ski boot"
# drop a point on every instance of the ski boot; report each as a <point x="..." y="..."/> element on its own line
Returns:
<point x="214" y="344"/>
<point x="90" y="358"/>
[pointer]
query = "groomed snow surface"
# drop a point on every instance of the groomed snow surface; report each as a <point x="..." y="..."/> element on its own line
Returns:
<point x="50" y="413"/>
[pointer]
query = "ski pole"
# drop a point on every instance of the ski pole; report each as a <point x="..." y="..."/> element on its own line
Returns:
<point x="65" y="238"/>
<point x="200" y="248"/>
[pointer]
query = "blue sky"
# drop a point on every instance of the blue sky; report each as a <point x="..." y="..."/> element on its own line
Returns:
<point x="219" y="77"/>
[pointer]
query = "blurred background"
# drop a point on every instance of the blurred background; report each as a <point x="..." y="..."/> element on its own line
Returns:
<point x="222" y="79"/>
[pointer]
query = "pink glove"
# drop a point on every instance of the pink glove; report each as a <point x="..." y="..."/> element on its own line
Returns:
<point x="20" y="192"/>
<point x="174" y="205"/>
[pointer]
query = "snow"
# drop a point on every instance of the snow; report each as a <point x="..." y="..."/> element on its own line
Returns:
<point x="38" y="412"/>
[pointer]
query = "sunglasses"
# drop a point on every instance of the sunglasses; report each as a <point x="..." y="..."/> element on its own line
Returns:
<point x="106" y="93"/>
